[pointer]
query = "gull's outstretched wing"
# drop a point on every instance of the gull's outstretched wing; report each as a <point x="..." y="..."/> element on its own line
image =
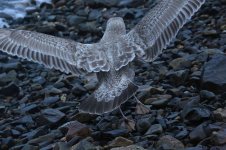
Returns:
<point x="155" y="31"/>
<point x="53" y="52"/>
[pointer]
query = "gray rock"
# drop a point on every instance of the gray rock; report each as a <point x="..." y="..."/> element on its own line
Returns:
<point x="207" y="95"/>
<point x="219" y="138"/>
<point x="75" y="20"/>
<point x="50" y="116"/>
<point x="84" y="145"/>
<point x="214" y="74"/>
<point x="10" y="90"/>
<point x="30" y="147"/>
<point x="144" y="124"/>
<point x="154" y="129"/>
<point x="168" y="142"/>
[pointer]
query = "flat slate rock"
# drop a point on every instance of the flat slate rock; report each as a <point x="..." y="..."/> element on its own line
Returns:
<point x="214" y="75"/>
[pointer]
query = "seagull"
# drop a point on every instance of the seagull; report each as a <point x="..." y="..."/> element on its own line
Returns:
<point x="110" y="59"/>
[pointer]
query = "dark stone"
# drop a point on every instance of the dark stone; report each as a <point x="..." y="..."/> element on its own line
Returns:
<point x="50" y="116"/>
<point x="10" y="90"/>
<point x="194" y="112"/>
<point x="214" y="74"/>
<point x="39" y="80"/>
<point x="116" y="133"/>
<point x="30" y="108"/>
<point x="50" y="100"/>
<point x="10" y="66"/>
<point x="198" y="133"/>
<point x="30" y="147"/>
<point x="84" y="145"/>
<point x="75" y="20"/>
<point x="207" y="95"/>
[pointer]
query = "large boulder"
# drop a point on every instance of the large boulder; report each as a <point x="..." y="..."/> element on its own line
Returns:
<point x="214" y="74"/>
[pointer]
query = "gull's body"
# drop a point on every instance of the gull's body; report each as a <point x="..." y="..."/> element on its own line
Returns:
<point x="110" y="58"/>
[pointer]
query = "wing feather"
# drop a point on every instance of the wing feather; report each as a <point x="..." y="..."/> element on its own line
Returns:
<point x="53" y="52"/>
<point x="155" y="31"/>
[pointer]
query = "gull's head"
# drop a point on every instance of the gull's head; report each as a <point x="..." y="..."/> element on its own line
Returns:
<point x="116" y="24"/>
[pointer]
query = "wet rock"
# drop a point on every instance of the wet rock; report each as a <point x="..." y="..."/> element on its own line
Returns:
<point x="7" y="142"/>
<point x="198" y="133"/>
<point x="194" y="112"/>
<point x="154" y="129"/>
<point x="50" y="100"/>
<point x="94" y="14"/>
<point x="214" y="74"/>
<point x="39" y="80"/>
<point x="199" y="147"/>
<point x="50" y="116"/>
<point x="178" y="77"/>
<point x="75" y="20"/>
<point x="10" y="90"/>
<point x="144" y="124"/>
<point x="115" y="133"/>
<point x="48" y="138"/>
<point x="84" y="145"/>
<point x="207" y="95"/>
<point x="30" y="147"/>
<point x="75" y="128"/>
<point x="10" y="66"/>
<point x="219" y="138"/>
<point x="180" y="63"/>
<point x="158" y="100"/>
<point x="120" y="142"/>
<point x="168" y="142"/>
<point x="6" y="78"/>
<point x="30" y="108"/>
<point x="220" y="114"/>
<point x="131" y="147"/>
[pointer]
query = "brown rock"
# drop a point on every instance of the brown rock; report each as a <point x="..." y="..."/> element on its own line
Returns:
<point x="120" y="142"/>
<point x="169" y="142"/>
<point x="75" y="128"/>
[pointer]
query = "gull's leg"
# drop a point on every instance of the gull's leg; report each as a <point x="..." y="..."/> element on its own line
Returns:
<point x="124" y="117"/>
<point x="129" y="124"/>
<point x="141" y="108"/>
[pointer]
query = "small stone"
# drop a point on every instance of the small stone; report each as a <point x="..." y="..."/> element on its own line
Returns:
<point x="10" y="90"/>
<point x="155" y="129"/>
<point x="75" y="20"/>
<point x="214" y="74"/>
<point x="50" y="100"/>
<point x="158" y="100"/>
<point x="131" y="147"/>
<point x="220" y="114"/>
<point x="116" y="133"/>
<point x="30" y="147"/>
<point x="39" y="80"/>
<point x="219" y="137"/>
<point x="84" y="145"/>
<point x="168" y="142"/>
<point x="144" y="124"/>
<point x="50" y="116"/>
<point x="30" y="108"/>
<point x="207" y="95"/>
<point x="198" y="133"/>
<point x="120" y="142"/>
<point x="180" y="63"/>
<point x="75" y="128"/>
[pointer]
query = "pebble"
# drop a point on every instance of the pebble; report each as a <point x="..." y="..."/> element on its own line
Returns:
<point x="168" y="142"/>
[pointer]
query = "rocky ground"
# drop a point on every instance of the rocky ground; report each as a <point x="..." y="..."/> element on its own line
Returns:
<point x="185" y="88"/>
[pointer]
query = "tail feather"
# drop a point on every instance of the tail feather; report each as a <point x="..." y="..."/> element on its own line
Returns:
<point x="93" y="106"/>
